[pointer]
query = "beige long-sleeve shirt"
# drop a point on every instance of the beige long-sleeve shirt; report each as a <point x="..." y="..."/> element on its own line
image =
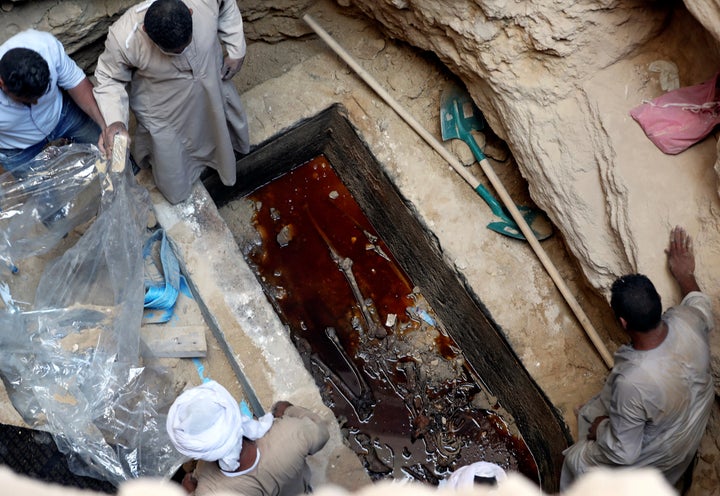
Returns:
<point x="281" y="469"/>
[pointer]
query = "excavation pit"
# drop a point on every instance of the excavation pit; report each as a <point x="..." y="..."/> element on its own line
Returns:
<point x="399" y="303"/>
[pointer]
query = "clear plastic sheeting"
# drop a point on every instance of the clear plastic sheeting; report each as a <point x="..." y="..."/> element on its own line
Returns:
<point x="40" y="205"/>
<point x="72" y="362"/>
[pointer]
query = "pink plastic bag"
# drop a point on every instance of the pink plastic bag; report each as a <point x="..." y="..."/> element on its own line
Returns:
<point x="680" y="118"/>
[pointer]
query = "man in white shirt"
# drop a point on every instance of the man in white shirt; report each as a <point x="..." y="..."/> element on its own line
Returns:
<point x="34" y="109"/>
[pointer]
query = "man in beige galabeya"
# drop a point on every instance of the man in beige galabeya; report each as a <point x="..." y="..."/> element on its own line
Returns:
<point x="164" y="60"/>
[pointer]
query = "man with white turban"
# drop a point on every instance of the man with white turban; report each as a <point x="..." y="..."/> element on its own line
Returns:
<point x="264" y="457"/>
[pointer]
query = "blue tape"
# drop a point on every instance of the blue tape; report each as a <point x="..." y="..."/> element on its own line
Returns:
<point x="163" y="287"/>
<point x="201" y="370"/>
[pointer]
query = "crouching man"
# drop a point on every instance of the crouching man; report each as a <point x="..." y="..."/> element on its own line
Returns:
<point x="654" y="407"/>
<point x="264" y="457"/>
<point x="44" y="97"/>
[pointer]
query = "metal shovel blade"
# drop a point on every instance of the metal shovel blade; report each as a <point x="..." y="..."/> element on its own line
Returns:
<point x="458" y="116"/>
<point x="468" y="117"/>
<point x="539" y="225"/>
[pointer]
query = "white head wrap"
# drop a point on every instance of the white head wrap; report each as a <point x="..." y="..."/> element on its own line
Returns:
<point x="205" y="423"/>
<point x="465" y="476"/>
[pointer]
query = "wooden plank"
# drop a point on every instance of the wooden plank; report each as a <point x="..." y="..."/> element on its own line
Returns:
<point x="166" y="341"/>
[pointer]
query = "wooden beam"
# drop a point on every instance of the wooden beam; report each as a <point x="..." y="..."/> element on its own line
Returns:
<point x="166" y="341"/>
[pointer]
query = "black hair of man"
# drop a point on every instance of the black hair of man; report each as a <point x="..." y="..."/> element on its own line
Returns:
<point x="168" y="23"/>
<point x="485" y="481"/>
<point x="635" y="299"/>
<point x="25" y="73"/>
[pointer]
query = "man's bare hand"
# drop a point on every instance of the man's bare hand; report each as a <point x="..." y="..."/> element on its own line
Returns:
<point x="279" y="408"/>
<point x="107" y="137"/>
<point x="189" y="483"/>
<point x="681" y="260"/>
<point x="231" y="67"/>
<point x="592" y="432"/>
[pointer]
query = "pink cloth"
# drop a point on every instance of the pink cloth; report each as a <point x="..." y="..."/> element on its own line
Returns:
<point x="680" y="118"/>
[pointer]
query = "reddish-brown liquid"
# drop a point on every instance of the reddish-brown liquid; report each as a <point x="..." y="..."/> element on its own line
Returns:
<point x="401" y="390"/>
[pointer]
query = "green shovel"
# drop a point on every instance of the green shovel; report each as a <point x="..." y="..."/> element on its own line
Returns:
<point x="458" y="116"/>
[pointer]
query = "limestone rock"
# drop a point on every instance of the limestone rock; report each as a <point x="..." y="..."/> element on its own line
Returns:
<point x="556" y="80"/>
<point x="81" y="25"/>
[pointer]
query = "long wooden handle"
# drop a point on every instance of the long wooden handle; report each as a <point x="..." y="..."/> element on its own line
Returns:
<point x="452" y="160"/>
<point x="474" y="182"/>
<point x="547" y="263"/>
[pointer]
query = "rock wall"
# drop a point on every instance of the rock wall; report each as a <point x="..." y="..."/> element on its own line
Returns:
<point x="80" y="24"/>
<point x="556" y="79"/>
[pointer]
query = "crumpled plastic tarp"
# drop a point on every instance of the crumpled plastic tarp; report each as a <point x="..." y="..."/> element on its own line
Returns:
<point x="72" y="360"/>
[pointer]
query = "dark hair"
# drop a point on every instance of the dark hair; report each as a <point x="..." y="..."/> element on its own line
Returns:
<point x="168" y="23"/>
<point x="24" y="73"/>
<point x="487" y="481"/>
<point x="635" y="299"/>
